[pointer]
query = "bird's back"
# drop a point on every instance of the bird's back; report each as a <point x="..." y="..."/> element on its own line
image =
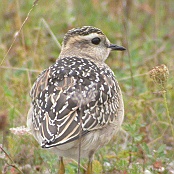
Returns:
<point x="71" y="91"/>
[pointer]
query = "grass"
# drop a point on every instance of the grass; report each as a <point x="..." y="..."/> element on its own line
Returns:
<point x="144" y="27"/>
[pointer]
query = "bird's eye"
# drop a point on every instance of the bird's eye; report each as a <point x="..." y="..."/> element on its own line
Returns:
<point x="96" y="40"/>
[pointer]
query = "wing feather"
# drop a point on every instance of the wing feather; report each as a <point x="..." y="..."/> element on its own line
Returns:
<point x="67" y="92"/>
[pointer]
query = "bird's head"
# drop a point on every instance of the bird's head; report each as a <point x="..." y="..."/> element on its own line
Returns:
<point x="88" y="42"/>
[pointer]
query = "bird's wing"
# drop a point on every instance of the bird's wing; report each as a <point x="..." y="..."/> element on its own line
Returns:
<point x="73" y="94"/>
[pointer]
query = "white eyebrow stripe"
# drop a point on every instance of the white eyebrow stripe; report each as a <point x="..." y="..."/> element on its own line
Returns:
<point x="91" y="36"/>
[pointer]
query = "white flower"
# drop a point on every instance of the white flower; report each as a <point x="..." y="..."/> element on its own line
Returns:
<point x="22" y="130"/>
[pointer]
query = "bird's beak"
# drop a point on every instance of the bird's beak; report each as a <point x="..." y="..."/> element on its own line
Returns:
<point x="116" y="47"/>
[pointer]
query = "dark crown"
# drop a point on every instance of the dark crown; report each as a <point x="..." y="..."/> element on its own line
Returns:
<point x="86" y="30"/>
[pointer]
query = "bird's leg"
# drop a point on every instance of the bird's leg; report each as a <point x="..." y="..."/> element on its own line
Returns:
<point x="61" y="166"/>
<point x="89" y="168"/>
<point x="91" y="157"/>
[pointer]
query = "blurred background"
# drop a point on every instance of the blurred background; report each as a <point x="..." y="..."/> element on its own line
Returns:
<point x="145" y="27"/>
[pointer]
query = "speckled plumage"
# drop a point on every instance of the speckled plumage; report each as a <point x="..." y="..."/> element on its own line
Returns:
<point x="77" y="90"/>
<point x="55" y="99"/>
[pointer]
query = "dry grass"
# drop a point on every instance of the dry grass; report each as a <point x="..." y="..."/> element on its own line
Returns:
<point x="145" y="28"/>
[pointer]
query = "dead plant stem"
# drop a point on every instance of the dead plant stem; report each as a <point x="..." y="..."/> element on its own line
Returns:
<point x="19" y="31"/>
<point x="11" y="160"/>
<point x="167" y="112"/>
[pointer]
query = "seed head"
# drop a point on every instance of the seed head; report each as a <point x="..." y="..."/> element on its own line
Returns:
<point x="160" y="74"/>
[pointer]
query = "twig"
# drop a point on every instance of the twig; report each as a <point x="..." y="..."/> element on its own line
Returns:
<point x="83" y="98"/>
<point x="44" y="23"/>
<point x="51" y="33"/>
<point x="138" y="75"/>
<point x="152" y="142"/>
<point x="18" y="32"/>
<point x="20" y="69"/>
<point x="80" y="134"/>
<point x="158" y="52"/>
<point x="20" y="23"/>
<point x="77" y="164"/>
<point x="125" y="24"/>
<point x="167" y="112"/>
<point x="11" y="160"/>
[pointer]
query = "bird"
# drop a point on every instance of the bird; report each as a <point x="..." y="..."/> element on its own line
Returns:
<point x="77" y="100"/>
